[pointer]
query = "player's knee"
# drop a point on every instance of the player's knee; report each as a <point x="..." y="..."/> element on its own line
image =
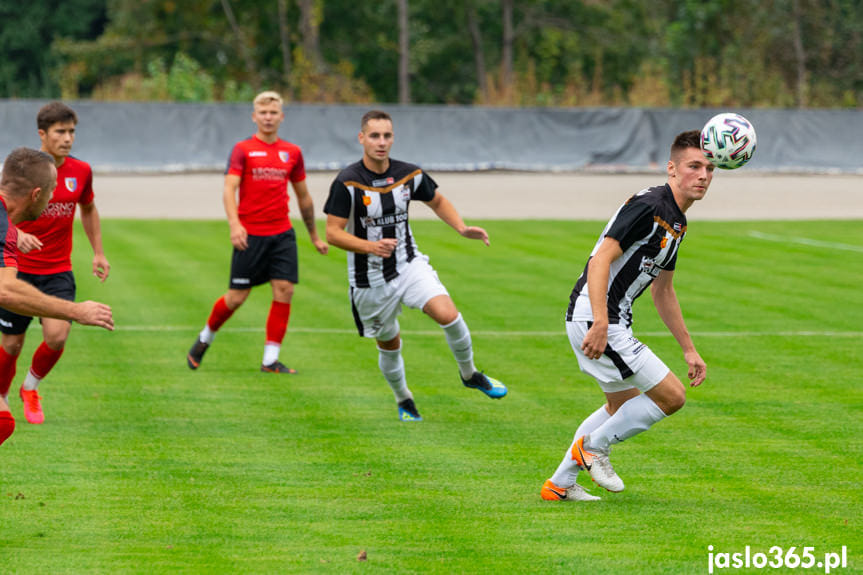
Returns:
<point x="235" y="298"/>
<point x="674" y="399"/>
<point x="57" y="342"/>
<point x="678" y="400"/>
<point x="13" y="347"/>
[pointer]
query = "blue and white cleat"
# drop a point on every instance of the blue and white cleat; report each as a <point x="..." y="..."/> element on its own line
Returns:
<point x="488" y="385"/>
<point x="408" y="411"/>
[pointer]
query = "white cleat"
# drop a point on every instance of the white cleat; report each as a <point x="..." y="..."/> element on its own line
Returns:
<point x="598" y="465"/>
<point x="551" y="492"/>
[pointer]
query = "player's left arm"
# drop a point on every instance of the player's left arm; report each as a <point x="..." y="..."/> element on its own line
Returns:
<point x="665" y="300"/>
<point x="444" y="209"/>
<point x="93" y="229"/>
<point x="307" y="211"/>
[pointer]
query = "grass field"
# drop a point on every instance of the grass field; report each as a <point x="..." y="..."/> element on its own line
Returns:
<point x="144" y="466"/>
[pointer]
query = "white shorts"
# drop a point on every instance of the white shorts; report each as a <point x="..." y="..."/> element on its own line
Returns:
<point x="376" y="309"/>
<point x="626" y="363"/>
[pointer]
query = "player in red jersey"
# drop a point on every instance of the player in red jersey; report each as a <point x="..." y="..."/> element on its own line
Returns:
<point x="265" y="247"/>
<point x="45" y="260"/>
<point x="26" y="185"/>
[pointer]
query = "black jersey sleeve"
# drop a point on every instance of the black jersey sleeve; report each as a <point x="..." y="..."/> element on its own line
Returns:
<point x="339" y="201"/>
<point x="425" y="191"/>
<point x="633" y="222"/>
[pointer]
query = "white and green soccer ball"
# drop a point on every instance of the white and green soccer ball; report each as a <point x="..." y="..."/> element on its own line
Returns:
<point x="728" y="140"/>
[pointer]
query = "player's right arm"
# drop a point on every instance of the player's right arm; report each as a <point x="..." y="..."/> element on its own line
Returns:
<point x="598" y="270"/>
<point x="338" y="210"/>
<point x="22" y="298"/>
<point x="339" y="237"/>
<point x="239" y="235"/>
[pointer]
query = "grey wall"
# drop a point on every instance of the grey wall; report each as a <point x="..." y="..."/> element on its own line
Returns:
<point x="123" y="136"/>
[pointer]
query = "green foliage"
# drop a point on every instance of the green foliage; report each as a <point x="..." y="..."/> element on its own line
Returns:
<point x="566" y="52"/>
<point x="144" y="465"/>
<point x="26" y="35"/>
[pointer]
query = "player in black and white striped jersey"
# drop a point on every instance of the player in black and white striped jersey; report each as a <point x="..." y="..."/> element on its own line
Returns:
<point x="637" y="249"/>
<point x="367" y="215"/>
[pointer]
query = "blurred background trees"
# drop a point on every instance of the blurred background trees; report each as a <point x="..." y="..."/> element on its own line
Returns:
<point x="689" y="53"/>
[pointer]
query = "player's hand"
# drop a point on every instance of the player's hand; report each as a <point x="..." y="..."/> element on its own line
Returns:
<point x="96" y="314"/>
<point x="595" y="340"/>
<point x="28" y="242"/>
<point x="239" y="237"/>
<point x="384" y="247"/>
<point x="697" y="368"/>
<point x="322" y="246"/>
<point x="475" y="233"/>
<point x="101" y="267"/>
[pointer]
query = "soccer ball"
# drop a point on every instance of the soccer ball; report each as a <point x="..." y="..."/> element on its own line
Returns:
<point x="728" y="140"/>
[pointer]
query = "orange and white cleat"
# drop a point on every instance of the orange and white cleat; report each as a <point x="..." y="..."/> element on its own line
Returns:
<point x="32" y="406"/>
<point x="598" y="465"/>
<point x="551" y="492"/>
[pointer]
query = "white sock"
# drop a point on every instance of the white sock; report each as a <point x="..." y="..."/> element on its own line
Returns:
<point x="567" y="471"/>
<point x="393" y="367"/>
<point x="207" y="335"/>
<point x="31" y="382"/>
<point x="633" y="417"/>
<point x="271" y="353"/>
<point x="458" y="338"/>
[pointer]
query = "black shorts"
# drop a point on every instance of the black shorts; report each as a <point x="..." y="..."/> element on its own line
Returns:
<point x="266" y="258"/>
<point x="60" y="285"/>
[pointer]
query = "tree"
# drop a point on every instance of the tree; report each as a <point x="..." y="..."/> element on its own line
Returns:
<point x="285" y="44"/>
<point x="242" y="44"/>
<point x="506" y="68"/>
<point x="478" y="52"/>
<point x="27" y="68"/>
<point x="404" y="54"/>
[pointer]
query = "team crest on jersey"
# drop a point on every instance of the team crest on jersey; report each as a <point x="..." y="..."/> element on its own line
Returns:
<point x="71" y="184"/>
<point x="383" y="182"/>
<point x="284" y="156"/>
<point x="663" y="242"/>
<point x="367" y="201"/>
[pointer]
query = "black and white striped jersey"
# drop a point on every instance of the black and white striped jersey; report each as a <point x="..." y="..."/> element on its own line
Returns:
<point x="376" y="206"/>
<point x="649" y="227"/>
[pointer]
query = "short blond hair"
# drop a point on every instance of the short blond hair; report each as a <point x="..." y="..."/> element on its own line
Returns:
<point x="268" y="97"/>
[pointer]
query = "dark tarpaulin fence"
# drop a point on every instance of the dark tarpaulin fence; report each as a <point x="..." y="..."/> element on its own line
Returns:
<point x="176" y="137"/>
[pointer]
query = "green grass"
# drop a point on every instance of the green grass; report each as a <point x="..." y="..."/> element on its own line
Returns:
<point x="143" y="466"/>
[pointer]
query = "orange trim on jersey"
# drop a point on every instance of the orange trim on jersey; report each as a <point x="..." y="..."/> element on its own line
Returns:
<point x="667" y="227"/>
<point x="387" y="189"/>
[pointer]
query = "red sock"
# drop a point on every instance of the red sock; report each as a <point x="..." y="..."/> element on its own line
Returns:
<point x="7" y="425"/>
<point x="44" y="360"/>
<point x="277" y="322"/>
<point x="7" y="370"/>
<point x="220" y="314"/>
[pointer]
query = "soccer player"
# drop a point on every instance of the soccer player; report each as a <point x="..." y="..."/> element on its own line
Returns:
<point x="27" y="182"/>
<point x="45" y="261"/>
<point x="637" y="249"/>
<point x="367" y="215"/>
<point x="265" y="246"/>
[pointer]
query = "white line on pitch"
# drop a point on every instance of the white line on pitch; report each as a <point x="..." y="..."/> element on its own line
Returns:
<point x="559" y="333"/>
<point x="805" y="242"/>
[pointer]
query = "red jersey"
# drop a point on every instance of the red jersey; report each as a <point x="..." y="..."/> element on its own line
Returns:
<point x="8" y="239"/>
<point x="54" y="225"/>
<point x="265" y="170"/>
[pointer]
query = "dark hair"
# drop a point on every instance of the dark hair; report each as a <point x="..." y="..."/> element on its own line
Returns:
<point x="684" y="140"/>
<point x="374" y="115"/>
<point x="25" y="169"/>
<point x="54" y="113"/>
